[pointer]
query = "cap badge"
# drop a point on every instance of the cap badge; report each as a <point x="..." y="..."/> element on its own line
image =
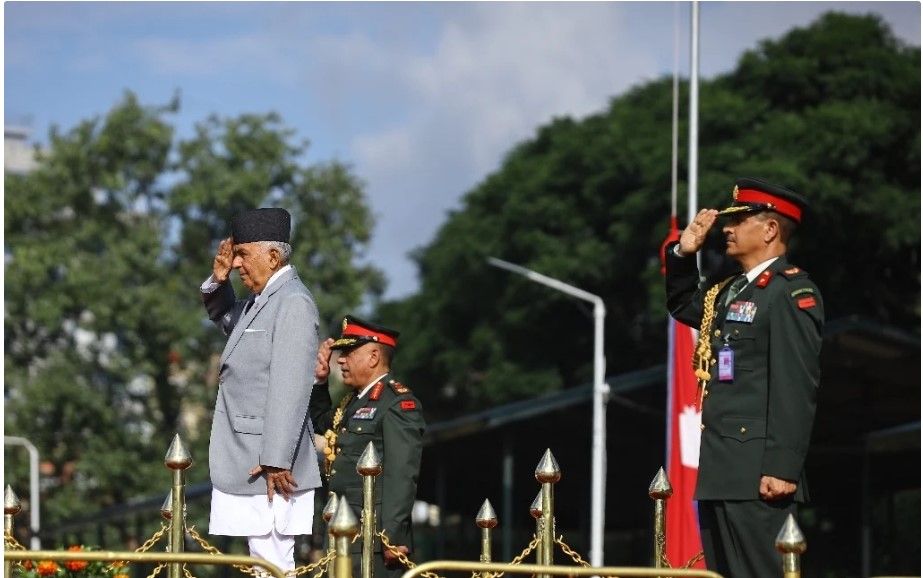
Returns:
<point x="736" y="192"/>
<point x="345" y="323"/>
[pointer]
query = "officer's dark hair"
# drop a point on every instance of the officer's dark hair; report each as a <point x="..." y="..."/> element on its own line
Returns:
<point x="787" y="225"/>
<point x="387" y="352"/>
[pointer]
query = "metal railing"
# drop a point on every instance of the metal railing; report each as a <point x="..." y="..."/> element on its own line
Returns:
<point x="344" y="528"/>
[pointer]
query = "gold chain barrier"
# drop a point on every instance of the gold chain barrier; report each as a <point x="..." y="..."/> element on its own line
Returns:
<point x="11" y="543"/>
<point x="343" y="528"/>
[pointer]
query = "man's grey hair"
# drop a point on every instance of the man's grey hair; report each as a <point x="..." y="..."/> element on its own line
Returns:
<point x="284" y="249"/>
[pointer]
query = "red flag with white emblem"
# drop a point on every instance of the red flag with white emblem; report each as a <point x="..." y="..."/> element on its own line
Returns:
<point x="683" y="542"/>
<point x="683" y="433"/>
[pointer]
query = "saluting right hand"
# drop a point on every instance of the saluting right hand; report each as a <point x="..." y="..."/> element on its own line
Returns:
<point x="322" y="369"/>
<point x="694" y="234"/>
<point x="221" y="268"/>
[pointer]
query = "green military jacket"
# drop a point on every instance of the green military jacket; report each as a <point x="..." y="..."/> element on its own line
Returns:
<point x="391" y="417"/>
<point x="759" y="421"/>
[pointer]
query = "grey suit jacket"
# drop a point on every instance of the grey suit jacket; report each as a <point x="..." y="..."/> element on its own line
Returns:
<point x="266" y="375"/>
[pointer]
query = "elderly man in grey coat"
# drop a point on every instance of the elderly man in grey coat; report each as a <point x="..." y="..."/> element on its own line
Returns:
<point x="262" y="445"/>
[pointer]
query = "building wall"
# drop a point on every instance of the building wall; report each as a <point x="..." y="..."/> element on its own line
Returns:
<point x="18" y="153"/>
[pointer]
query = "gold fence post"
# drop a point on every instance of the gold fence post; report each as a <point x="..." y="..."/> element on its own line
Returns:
<point x="536" y="510"/>
<point x="790" y="542"/>
<point x="11" y="508"/>
<point x="177" y="460"/>
<point x="330" y="510"/>
<point x="344" y="528"/>
<point x="547" y="473"/>
<point x="369" y="466"/>
<point x="660" y="491"/>
<point x="486" y="520"/>
<point x="166" y="509"/>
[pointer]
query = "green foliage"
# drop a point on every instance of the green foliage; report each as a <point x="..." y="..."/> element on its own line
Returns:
<point x="108" y="352"/>
<point x="831" y="110"/>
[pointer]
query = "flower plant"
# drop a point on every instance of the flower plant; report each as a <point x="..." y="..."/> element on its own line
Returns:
<point x="71" y="568"/>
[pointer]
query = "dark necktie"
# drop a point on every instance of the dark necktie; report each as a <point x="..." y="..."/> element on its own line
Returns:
<point x="250" y="301"/>
<point x="736" y="286"/>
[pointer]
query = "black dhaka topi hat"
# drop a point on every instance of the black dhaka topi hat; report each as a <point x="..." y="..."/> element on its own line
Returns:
<point x="755" y="195"/>
<point x="270" y="224"/>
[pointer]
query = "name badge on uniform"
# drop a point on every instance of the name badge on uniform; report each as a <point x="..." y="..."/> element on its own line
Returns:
<point x="726" y="364"/>
<point x="743" y="311"/>
<point x="364" y="413"/>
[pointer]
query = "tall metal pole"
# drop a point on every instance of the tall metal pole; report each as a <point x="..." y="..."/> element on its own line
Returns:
<point x="694" y="120"/>
<point x="600" y="397"/>
<point x="34" y="511"/>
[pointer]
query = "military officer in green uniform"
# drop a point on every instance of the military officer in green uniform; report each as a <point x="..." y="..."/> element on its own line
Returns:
<point x="380" y="410"/>
<point x="757" y="364"/>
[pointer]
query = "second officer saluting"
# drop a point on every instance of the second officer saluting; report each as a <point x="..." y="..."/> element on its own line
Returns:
<point x="380" y="410"/>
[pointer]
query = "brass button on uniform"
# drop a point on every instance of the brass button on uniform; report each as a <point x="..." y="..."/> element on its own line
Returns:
<point x="704" y="393"/>
<point x="743" y="430"/>
<point x="702" y="427"/>
<point x="358" y="429"/>
<point x="343" y="430"/>
<point x="332" y="472"/>
<point x="717" y="333"/>
<point x="713" y="361"/>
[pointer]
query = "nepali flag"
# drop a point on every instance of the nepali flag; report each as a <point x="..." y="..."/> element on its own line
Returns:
<point x="683" y="542"/>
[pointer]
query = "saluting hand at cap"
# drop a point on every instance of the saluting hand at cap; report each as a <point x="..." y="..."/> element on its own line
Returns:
<point x="221" y="267"/>
<point x="694" y="234"/>
<point x="322" y="368"/>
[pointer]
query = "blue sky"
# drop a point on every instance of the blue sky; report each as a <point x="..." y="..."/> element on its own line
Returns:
<point x="422" y="99"/>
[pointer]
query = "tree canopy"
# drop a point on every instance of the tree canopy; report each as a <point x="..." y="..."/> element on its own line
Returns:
<point x="108" y="351"/>
<point x="830" y="110"/>
<point x="107" y="354"/>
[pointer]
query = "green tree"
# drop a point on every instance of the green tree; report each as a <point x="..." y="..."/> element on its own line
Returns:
<point x="108" y="353"/>
<point x="832" y="110"/>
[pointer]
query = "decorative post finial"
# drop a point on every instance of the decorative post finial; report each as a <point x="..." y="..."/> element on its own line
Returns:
<point x="487" y="517"/>
<point x="369" y="462"/>
<point x="11" y="504"/>
<point x="790" y="542"/>
<point x="660" y="491"/>
<point x="344" y="527"/>
<point x="548" y="470"/>
<point x="178" y="456"/>
<point x="660" y="488"/>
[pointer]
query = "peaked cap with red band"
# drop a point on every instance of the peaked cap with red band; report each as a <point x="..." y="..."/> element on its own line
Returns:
<point x="754" y="195"/>
<point x="358" y="332"/>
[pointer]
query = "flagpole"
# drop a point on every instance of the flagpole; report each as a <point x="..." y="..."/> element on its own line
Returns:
<point x="694" y="119"/>
<point x="674" y="157"/>
<point x="674" y="165"/>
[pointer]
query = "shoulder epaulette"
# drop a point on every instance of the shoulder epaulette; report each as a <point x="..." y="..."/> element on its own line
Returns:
<point x="398" y="388"/>
<point x="793" y="272"/>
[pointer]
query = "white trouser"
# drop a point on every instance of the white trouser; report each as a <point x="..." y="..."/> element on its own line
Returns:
<point x="275" y="548"/>
<point x="270" y="527"/>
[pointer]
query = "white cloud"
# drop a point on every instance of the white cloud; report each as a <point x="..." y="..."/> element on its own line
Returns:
<point x="495" y="73"/>
<point x="423" y="98"/>
<point x="500" y="70"/>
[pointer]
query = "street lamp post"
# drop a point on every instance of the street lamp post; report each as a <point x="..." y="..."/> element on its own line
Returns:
<point x="600" y="396"/>
<point x="35" y="543"/>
